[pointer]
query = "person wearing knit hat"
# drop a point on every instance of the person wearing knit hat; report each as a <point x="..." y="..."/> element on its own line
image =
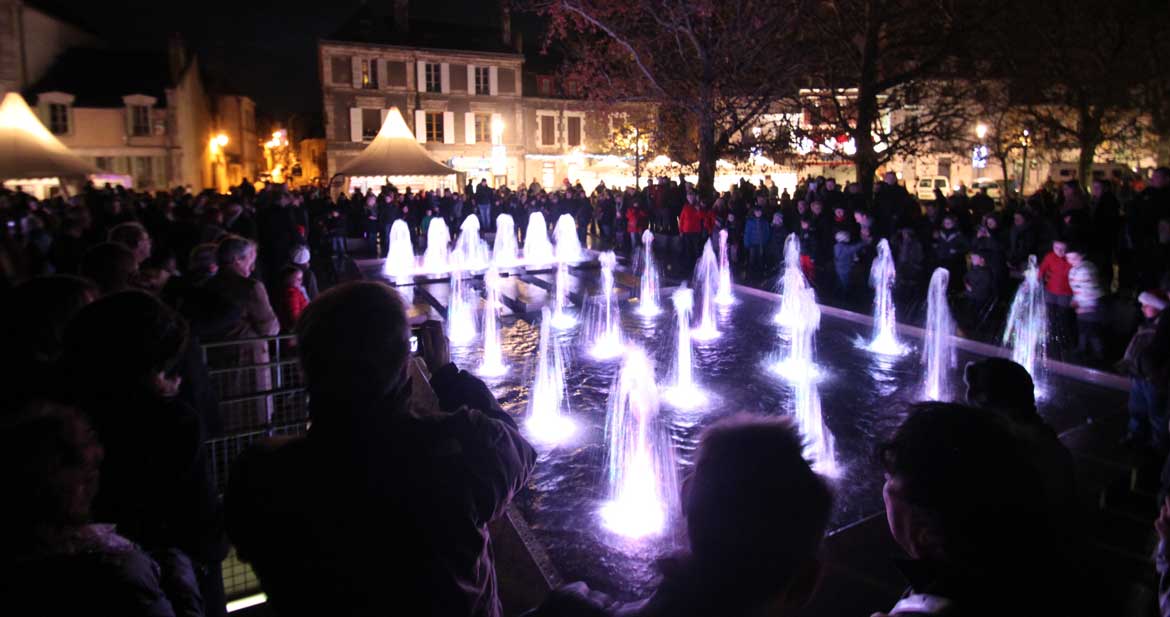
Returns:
<point x="299" y="257"/>
<point x="1147" y="393"/>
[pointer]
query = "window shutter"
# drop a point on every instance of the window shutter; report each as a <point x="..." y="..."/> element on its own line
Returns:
<point x="385" y="112"/>
<point x="448" y="126"/>
<point x="469" y="127"/>
<point x="444" y="78"/>
<point x="494" y="81"/>
<point x="356" y="74"/>
<point x="129" y="120"/>
<point x="470" y="80"/>
<point x="421" y="83"/>
<point x="355" y="124"/>
<point x="383" y="74"/>
<point x="498" y="119"/>
<point x="420" y="126"/>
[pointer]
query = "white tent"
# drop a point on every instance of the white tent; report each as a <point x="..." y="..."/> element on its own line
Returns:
<point x="394" y="152"/>
<point x="29" y="150"/>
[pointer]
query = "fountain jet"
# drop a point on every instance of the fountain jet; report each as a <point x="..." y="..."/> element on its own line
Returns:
<point x="606" y="335"/>
<point x="492" y="364"/>
<point x="791" y="281"/>
<point x="504" y="254"/>
<point x="538" y="251"/>
<point x="547" y="422"/>
<point x="819" y="447"/>
<point x="881" y="278"/>
<point x="643" y="484"/>
<point x="471" y="253"/>
<point x="568" y="247"/>
<point x="723" y="296"/>
<point x="798" y="364"/>
<point x="939" y="352"/>
<point x="1026" y="331"/>
<point x="561" y="319"/>
<point x="437" y="257"/>
<point x="706" y="282"/>
<point x="460" y="311"/>
<point x="648" y="295"/>
<point x="399" y="264"/>
<point x="684" y="393"/>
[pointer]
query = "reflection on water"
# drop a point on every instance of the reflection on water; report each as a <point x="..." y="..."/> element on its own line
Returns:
<point x="861" y="400"/>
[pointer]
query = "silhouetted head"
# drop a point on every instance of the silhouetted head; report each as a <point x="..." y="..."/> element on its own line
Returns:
<point x="756" y="512"/>
<point x="354" y="343"/>
<point x="1003" y="385"/>
<point x="110" y="265"/>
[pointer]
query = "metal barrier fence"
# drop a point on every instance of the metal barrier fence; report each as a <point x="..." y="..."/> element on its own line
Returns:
<point x="261" y="394"/>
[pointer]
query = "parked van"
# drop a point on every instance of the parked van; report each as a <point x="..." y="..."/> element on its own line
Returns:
<point x="924" y="188"/>
<point x="1114" y="172"/>
<point x="993" y="187"/>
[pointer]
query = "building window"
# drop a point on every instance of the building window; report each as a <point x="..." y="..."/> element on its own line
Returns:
<point x="548" y="130"/>
<point x="433" y="73"/>
<point x="483" y="128"/>
<point x="370" y="74"/>
<point x="342" y="71"/>
<point x="105" y="163"/>
<point x="483" y="80"/>
<point x="371" y="123"/>
<point x="572" y="88"/>
<point x="544" y="86"/>
<point x="143" y="171"/>
<point x="59" y="118"/>
<point x="140" y="120"/>
<point x="573" y="136"/>
<point x="434" y="126"/>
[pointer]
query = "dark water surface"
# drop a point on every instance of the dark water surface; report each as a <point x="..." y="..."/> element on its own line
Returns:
<point x="862" y="396"/>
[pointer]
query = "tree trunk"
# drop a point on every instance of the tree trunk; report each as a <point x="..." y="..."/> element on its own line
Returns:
<point x="707" y="155"/>
<point x="865" y="159"/>
<point x="1003" y="189"/>
<point x="1090" y="138"/>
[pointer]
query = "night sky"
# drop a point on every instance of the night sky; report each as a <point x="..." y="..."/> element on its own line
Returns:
<point x="264" y="50"/>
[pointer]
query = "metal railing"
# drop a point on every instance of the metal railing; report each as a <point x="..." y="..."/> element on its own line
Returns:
<point x="261" y="394"/>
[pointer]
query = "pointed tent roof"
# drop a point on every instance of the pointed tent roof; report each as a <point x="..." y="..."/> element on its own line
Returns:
<point x="29" y="150"/>
<point x="394" y="152"/>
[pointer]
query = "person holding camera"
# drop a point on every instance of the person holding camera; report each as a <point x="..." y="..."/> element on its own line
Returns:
<point x="384" y="505"/>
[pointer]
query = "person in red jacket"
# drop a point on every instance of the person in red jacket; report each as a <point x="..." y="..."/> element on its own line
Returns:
<point x="637" y="220"/>
<point x="292" y="300"/>
<point x="1054" y="270"/>
<point x="690" y="225"/>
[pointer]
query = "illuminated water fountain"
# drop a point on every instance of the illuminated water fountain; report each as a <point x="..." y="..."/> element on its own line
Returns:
<point x="798" y="364"/>
<point x="492" y="364"/>
<point x="460" y="311"/>
<point x="881" y="278"/>
<point x="471" y="252"/>
<point x="437" y="257"/>
<point x="561" y="318"/>
<point x="706" y="283"/>
<point x="504" y="253"/>
<point x="648" y="294"/>
<point x="605" y="333"/>
<point x="819" y="446"/>
<point x="684" y="393"/>
<point x="723" y="295"/>
<point x="568" y="248"/>
<point x="792" y="285"/>
<point x="938" y="353"/>
<point x="547" y="421"/>
<point x="399" y="264"/>
<point x="641" y="476"/>
<point x="538" y="251"/>
<point x="1026" y="332"/>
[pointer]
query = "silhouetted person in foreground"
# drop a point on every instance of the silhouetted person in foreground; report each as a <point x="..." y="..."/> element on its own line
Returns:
<point x="966" y="503"/>
<point x="756" y="515"/>
<point x="383" y="508"/>
<point x="53" y="560"/>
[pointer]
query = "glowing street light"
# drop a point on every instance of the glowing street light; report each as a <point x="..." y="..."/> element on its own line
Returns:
<point x="981" y="131"/>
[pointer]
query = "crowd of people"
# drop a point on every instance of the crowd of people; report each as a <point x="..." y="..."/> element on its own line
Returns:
<point x="106" y="297"/>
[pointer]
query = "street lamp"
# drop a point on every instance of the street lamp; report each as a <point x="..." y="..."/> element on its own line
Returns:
<point x="221" y="140"/>
<point x="981" y="131"/>
<point x="1025" y="141"/>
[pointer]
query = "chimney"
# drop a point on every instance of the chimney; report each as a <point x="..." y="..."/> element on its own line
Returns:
<point x="176" y="56"/>
<point x="505" y="23"/>
<point x="401" y="17"/>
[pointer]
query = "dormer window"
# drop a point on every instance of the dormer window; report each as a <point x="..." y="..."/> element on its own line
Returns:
<point x="140" y="120"/>
<point x="59" y="118"/>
